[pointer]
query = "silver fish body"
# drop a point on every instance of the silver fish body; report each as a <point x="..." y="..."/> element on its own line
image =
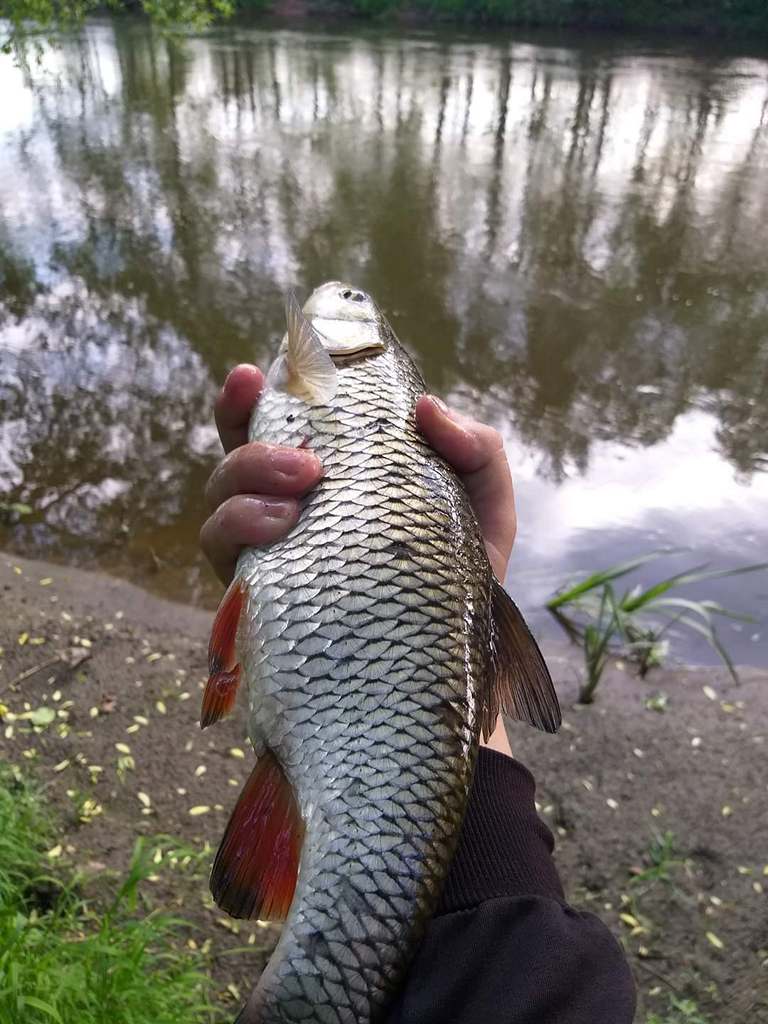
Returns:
<point x="366" y="644"/>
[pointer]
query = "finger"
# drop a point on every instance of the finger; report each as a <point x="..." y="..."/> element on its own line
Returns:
<point x="246" y="520"/>
<point x="263" y="469"/>
<point x="476" y="452"/>
<point x="233" y="407"/>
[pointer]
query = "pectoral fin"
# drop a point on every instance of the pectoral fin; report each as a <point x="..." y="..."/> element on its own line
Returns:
<point x="521" y="685"/>
<point x="304" y="368"/>
<point x="255" y="870"/>
<point x="224" y="671"/>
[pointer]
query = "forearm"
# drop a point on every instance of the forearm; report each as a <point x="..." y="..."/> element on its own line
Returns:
<point x="504" y="946"/>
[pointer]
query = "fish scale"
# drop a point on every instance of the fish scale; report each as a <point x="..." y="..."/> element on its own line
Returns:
<point x="377" y="736"/>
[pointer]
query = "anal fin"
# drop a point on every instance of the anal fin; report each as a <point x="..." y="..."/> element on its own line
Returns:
<point x="256" y="866"/>
<point x="224" y="671"/>
<point x="521" y="685"/>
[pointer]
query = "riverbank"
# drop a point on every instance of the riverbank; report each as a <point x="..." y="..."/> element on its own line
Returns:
<point x="710" y="18"/>
<point x="659" y="816"/>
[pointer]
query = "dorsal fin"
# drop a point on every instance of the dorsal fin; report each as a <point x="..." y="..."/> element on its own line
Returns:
<point x="256" y="866"/>
<point x="520" y="684"/>
<point x="224" y="671"/>
<point x="304" y="368"/>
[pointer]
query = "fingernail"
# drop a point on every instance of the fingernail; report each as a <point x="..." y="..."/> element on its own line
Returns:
<point x="442" y="407"/>
<point x="289" y="461"/>
<point x="273" y="508"/>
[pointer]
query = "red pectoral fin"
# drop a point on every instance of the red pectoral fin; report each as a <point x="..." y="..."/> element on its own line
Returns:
<point x="219" y="696"/>
<point x="254" y="873"/>
<point x="220" y="691"/>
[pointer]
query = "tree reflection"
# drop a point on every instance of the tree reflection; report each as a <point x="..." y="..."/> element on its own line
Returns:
<point x="559" y="230"/>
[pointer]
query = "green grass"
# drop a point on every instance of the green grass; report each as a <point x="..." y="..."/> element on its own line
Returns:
<point x="68" y="959"/>
<point x="639" y="622"/>
<point x="681" y="1011"/>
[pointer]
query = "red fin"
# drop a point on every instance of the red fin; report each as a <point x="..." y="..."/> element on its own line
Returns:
<point x="219" y="696"/>
<point x="254" y="873"/>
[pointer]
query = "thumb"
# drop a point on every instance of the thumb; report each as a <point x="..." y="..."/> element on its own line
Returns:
<point x="476" y="452"/>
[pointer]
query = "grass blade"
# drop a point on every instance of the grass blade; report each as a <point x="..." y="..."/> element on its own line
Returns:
<point x="599" y="579"/>
<point x="39" y="1004"/>
<point x="712" y="637"/>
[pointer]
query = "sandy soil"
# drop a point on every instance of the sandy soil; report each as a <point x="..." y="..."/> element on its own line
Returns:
<point x="619" y="777"/>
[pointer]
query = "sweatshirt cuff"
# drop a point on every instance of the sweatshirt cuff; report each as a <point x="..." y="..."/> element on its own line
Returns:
<point x="504" y="850"/>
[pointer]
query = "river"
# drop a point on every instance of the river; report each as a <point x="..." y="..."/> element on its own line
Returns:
<point x="570" y="232"/>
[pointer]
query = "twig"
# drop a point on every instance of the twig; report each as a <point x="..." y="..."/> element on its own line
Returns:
<point x="13" y="684"/>
<point x="667" y="982"/>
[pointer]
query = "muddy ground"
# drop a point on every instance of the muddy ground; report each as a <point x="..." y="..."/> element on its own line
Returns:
<point x="661" y="817"/>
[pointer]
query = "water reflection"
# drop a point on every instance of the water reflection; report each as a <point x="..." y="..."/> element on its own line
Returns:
<point x="573" y="240"/>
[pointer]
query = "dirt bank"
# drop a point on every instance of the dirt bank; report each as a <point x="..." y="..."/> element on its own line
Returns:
<point x="661" y="817"/>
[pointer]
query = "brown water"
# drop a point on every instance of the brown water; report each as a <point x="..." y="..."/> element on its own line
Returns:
<point x="570" y="233"/>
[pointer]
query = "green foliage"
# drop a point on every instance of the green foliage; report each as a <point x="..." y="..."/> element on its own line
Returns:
<point x="68" y="960"/>
<point x="680" y="1011"/>
<point x="31" y="19"/>
<point x="661" y="860"/>
<point x="639" y="622"/>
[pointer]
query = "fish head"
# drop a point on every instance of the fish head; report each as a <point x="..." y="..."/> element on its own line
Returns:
<point x="339" y="324"/>
<point x="346" y="320"/>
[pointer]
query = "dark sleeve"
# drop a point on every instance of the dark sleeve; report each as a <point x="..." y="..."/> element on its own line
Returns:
<point x="504" y="947"/>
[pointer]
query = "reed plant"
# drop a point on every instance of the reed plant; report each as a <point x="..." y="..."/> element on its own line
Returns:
<point x="639" y="623"/>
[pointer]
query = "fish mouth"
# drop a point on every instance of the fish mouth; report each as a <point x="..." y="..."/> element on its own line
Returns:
<point x="346" y="319"/>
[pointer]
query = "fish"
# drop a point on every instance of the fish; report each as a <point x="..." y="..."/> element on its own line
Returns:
<point x="376" y="646"/>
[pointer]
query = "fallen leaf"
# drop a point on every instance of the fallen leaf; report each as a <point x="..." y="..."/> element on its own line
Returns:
<point x="41" y="716"/>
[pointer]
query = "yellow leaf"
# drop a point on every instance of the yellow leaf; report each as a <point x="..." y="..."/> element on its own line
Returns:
<point x="23" y="637"/>
<point x="629" y="920"/>
<point x="144" y="799"/>
<point x="122" y="748"/>
<point x="160" y="705"/>
<point x="197" y="811"/>
<point x="46" y="581"/>
<point x="717" y="943"/>
<point x="55" y="851"/>
<point x="236" y="752"/>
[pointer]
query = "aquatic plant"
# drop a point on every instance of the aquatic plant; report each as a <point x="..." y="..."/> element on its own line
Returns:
<point x="640" y="622"/>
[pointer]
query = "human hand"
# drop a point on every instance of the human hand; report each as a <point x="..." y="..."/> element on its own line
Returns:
<point x="254" y="492"/>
